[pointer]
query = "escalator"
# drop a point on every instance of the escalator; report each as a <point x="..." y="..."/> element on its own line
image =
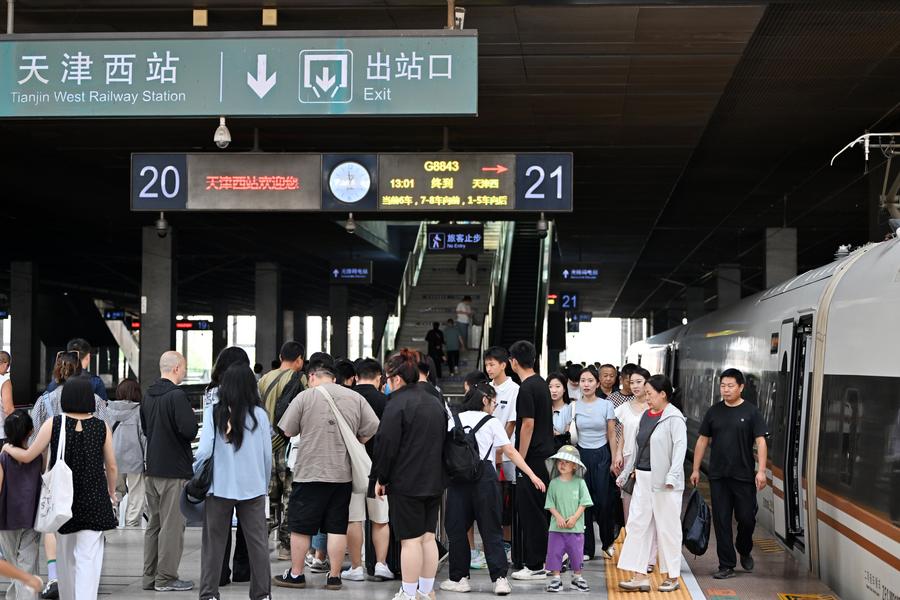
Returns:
<point x="521" y="315"/>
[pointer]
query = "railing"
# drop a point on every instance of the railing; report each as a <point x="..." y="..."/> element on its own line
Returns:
<point x="540" y="316"/>
<point x="407" y="283"/>
<point x="499" y="273"/>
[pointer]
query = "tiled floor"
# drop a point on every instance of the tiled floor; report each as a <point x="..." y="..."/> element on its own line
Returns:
<point x="775" y="572"/>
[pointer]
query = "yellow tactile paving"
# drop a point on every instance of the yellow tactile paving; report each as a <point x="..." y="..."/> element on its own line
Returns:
<point x="614" y="576"/>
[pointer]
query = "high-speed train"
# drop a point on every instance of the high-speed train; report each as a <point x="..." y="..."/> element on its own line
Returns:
<point x="821" y="355"/>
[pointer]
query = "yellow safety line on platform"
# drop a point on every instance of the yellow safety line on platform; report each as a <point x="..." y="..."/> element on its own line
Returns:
<point x="614" y="576"/>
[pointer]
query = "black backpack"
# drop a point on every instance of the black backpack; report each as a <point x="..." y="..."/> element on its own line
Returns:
<point x="461" y="457"/>
<point x="695" y="524"/>
<point x="290" y="391"/>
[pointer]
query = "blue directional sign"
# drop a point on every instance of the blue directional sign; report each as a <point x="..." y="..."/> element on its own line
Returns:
<point x="240" y="74"/>
<point x="581" y="317"/>
<point x="580" y="273"/>
<point x="114" y="315"/>
<point x="351" y="272"/>
<point x="4" y="314"/>
<point x="456" y="238"/>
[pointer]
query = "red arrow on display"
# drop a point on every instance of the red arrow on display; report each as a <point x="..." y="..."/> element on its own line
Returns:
<point x="498" y="169"/>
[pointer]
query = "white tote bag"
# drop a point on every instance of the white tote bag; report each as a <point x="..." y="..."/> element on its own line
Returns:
<point x="360" y="463"/>
<point x="55" y="508"/>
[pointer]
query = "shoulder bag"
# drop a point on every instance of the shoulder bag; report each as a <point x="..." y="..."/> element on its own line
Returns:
<point x="55" y="506"/>
<point x="360" y="463"/>
<point x="628" y="486"/>
<point x="198" y="486"/>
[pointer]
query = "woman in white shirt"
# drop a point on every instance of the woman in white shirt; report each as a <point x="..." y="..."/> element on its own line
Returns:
<point x="629" y="415"/>
<point x="479" y="501"/>
<point x="595" y="419"/>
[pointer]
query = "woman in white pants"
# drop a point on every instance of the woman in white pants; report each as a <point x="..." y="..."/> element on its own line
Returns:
<point x="84" y="442"/>
<point x="657" y="465"/>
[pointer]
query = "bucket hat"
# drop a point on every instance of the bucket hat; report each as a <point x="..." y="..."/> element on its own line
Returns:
<point x="571" y="454"/>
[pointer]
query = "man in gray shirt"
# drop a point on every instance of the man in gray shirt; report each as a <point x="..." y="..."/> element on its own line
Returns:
<point x="320" y="499"/>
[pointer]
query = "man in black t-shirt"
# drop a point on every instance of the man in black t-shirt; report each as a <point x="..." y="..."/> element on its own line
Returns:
<point x="534" y="441"/>
<point x="734" y="426"/>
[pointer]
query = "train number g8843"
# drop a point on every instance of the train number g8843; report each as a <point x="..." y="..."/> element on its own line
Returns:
<point x="442" y="166"/>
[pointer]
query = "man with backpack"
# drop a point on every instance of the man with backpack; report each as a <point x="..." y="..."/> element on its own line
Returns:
<point x="283" y="381"/>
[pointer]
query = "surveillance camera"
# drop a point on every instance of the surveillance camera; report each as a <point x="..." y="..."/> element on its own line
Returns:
<point x="222" y="136"/>
<point x="350" y="225"/>
<point x="162" y="226"/>
<point x="459" y="17"/>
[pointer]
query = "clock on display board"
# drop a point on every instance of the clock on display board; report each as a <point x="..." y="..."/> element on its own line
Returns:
<point x="349" y="182"/>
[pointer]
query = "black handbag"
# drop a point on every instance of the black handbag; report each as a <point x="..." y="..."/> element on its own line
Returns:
<point x="628" y="486"/>
<point x="198" y="486"/>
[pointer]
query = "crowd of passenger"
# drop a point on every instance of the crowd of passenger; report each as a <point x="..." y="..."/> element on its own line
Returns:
<point x="324" y="456"/>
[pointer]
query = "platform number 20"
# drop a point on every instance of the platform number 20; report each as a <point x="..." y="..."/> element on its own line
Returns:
<point x="532" y="193"/>
<point x="168" y="178"/>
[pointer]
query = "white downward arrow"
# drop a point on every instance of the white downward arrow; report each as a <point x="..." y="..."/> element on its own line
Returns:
<point x="324" y="81"/>
<point x="260" y="84"/>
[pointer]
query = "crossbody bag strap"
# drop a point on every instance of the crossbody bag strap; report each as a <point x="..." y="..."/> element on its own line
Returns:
<point x="274" y="384"/>
<point x="342" y="423"/>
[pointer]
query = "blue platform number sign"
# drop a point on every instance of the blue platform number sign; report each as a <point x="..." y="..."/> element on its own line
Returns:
<point x="544" y="182"/>
<point x="159" y="180"/>
<point x="568" y="300"/>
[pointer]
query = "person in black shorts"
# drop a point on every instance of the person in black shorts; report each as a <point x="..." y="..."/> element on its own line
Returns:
<point x="322" y="488"/>
<point x="733" y="426"/>
<point x="408" y="468"/>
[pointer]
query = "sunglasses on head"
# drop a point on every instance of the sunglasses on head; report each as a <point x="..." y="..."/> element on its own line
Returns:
<point x="74" y="353"/>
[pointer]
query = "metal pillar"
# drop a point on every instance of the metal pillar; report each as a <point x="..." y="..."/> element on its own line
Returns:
<point x="729" y="284"/>
<point x="268" y="312"/>
<point x="24" y="342"/>
<point x="158" y="302"/>
<point x="339" y="305"/>
<point x="781" y="255"/>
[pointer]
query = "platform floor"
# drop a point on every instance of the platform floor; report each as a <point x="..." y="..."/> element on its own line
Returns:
<point x="776" y="572"/>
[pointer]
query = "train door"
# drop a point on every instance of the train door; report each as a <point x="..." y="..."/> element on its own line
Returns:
<point x="779" y="431"/>
<point x="794" y="494"/>
<point x="794" y="360"/>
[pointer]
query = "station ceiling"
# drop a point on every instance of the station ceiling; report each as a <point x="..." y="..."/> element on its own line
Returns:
<point x="694" y="126"/>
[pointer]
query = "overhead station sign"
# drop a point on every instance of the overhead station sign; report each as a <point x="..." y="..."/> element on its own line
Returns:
<point x="431" y="72"/>
<point x="440" y="181"/>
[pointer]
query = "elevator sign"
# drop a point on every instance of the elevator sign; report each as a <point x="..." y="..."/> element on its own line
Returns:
<point x="432" y="72"/>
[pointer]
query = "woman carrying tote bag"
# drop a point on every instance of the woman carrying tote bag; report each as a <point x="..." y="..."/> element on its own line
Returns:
<point x="87" y="449"/>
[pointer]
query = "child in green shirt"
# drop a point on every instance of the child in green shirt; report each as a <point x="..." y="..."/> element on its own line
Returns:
<point x="567" y="497"/>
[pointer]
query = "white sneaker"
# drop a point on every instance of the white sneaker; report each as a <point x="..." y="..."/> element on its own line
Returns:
<point x="401" y="595"/>
<point x="456" y="586"/>
<point x="609" y="553"/>
<point x="382" y="572"/>
<point x="357" y="574"/>
<point x="502" y="587"/>
<point x="527" y="574"/>
<point x="429" y="596"/>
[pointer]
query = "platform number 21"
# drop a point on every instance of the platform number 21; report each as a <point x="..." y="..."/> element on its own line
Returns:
<point x="538" y="171"/>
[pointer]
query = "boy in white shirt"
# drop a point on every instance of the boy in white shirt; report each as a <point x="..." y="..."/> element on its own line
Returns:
<point x="496" y="360"/>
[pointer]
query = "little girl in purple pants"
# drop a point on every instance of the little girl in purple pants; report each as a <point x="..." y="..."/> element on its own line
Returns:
<point x="567" y="497"/>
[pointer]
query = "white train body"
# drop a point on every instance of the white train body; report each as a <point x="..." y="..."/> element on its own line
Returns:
<point x="821" y="353"/>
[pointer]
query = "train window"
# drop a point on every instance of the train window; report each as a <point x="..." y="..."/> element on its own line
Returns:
<point x="858" y="446"/>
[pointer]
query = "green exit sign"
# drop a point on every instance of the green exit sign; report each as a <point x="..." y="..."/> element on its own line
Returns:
<point x="242" y="74"/>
